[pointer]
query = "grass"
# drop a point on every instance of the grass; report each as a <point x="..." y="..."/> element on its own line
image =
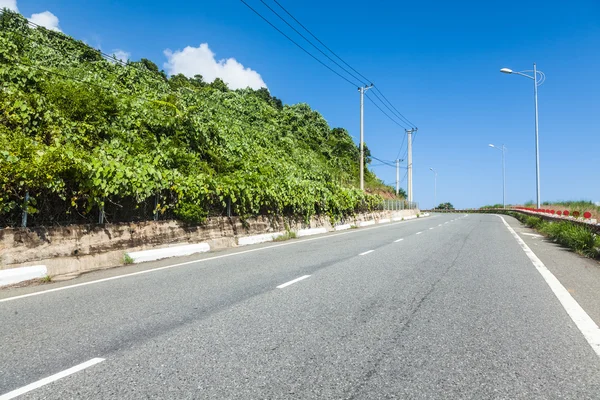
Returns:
<point x="46" y="279"/>
<point x="127" y="259"/>
<point x="579" y="238"/>
<point x="286" y="236"/>
<point x="353" y="226"/>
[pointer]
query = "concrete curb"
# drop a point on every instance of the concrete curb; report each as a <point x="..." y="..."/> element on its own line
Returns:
<point x="343" y="227"/>
<point x="384" y="221"/>
<point x="310" y="231"/>
<point x="255" y="239"/>
<point x="175" y="251"/>
<point x="219" y="234"/>
<point x="16" y="275"/>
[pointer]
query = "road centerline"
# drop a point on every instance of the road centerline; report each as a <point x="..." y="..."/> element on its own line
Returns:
<point x="366" y="252"/>
<point x="399" y="240"/>
<point x="288" y="283"/>
<point x="50" y="379"/>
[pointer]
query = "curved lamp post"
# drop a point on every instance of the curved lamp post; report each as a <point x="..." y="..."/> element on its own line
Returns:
<point x="538" y="78"/>
<point x="503" y="149"/>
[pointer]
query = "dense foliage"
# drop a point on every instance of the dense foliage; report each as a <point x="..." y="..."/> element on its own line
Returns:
<point x="445" y="206"/>
<point x="90" y="132"/>
<point x="580" y="238"/>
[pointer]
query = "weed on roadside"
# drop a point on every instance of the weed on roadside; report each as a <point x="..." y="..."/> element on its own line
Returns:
<point x="286" y="236"/>
<point x="127" y="259"/>
<point x="46" y="279"/>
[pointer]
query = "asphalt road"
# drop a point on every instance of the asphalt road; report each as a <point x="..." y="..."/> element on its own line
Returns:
<point x="446" y="307"/>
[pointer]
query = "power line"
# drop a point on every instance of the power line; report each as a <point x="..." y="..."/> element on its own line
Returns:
<point x="401" y="146"/>
<point x="403" y="117"/>
<point x="380" y="109"/>
<point x="388" y="163"/>
<point x="71" y="40"/>
<point x="397" y="113"/>
<point x="388" y="107"/>
<point x="61" y="36"/>
<point x="302" y="48"/>
<point x="323" y="44"/>
<point x="65" y="52"/>
<point x="80" y="80"/>
<point x="309" y="42"/>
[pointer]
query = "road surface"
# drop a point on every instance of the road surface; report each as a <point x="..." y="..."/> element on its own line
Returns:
<point x="445" y="307"/>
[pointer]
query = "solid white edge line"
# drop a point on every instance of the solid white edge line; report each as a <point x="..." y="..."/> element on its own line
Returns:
<point x="50" y="379"/>
<point x="147" y="271"/>
<point x="586" y="325"/>
<point x="399" y="240"/>
<point x="288" y="283"/>
<point x="366" y="252"/>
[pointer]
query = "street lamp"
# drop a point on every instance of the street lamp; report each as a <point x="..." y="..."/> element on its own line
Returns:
<point x="538" y="78"/>
<point x="434" y="187"/>
<point x="503" y="149"/>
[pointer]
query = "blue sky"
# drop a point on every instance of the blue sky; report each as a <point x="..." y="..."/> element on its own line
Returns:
<point x="437" y="61"/>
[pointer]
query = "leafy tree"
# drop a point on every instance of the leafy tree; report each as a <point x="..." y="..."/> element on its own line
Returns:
<point x="220" y="85"/>
<point x="445" y="206"/>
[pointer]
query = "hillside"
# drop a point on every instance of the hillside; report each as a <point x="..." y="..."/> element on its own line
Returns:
<point x="80" y="132"/>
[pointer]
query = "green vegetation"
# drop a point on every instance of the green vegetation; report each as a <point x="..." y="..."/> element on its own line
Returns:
<point x="445" y="206"/>
<point x="580" y="238"/>
<point x="46" y="279"/>
<point x="488" y="207"/>
<point x="286" y="236"/>
<point x="83" y="133"/>
<point x="127" y="259"/>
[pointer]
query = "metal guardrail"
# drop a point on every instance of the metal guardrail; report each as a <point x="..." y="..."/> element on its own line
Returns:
<point x="397" y="205"/>
<point x="592" y="226"/>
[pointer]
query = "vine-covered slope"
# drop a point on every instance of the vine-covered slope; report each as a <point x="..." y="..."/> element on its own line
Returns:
<point x="79" y="133"/>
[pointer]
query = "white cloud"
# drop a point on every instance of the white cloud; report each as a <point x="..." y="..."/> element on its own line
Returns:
<point x="10" y="4"/>
<point x="46" y="19"/>
<point x="121" y="55"/>
<point x="201" y="60"/>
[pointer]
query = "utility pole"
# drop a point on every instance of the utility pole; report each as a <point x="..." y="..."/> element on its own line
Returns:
<point x="409" y="132"/>
<point x="397" y="177"/>
<point x="362" y="91"/>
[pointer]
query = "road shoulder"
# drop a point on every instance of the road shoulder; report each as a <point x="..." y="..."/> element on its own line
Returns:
<point x="579" y="275"/>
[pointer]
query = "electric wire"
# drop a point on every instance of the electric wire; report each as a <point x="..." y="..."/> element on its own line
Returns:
<point x="399" y="113"/>
<point x="367" y="80"/>
<point x="401" y="146"/>
<point x="384" y="113"/>
<point x="395" y="111"/>
<point x="309" y="42"/>
<point x="388" y="107"/>
<point x="302" y="48"/>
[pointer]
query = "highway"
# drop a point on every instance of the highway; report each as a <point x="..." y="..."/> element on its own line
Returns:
<point x="445" y="307"/>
